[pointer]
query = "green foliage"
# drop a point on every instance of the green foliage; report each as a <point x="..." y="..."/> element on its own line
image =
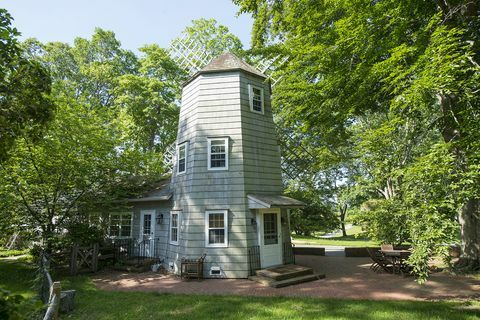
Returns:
<point x="116" y="114"/>
<point x="25" y="106"/>
<point x="315" y="216"/>
<point x="390" y="88"/>
<point x="10" y="306"/>
<point x="212" y="38"/>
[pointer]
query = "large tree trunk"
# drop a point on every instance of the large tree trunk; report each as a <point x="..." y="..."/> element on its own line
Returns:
<point x="343" y="216"/>
<point x="469" y="219"/>
<point x="469" y="215"/>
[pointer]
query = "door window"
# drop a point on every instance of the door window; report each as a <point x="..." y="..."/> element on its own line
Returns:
<point x="270" y="228"/>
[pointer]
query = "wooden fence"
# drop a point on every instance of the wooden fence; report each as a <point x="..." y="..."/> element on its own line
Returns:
<point x="50" y="291"/>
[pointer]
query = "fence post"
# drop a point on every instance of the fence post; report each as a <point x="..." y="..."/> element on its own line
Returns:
<point x="95" y="257"/>
<point x="73" y="260"/>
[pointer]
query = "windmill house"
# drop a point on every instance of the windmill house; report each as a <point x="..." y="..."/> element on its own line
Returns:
<point x="225" y="194"/>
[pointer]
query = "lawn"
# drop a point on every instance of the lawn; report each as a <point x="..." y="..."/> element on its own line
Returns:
<point x="354" y="239"/>
<point x="93" y="303"/>
<point x="11" y="253"/>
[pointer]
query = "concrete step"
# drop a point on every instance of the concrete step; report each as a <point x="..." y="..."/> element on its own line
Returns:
<point x="284" y="272"/>
<point x="287" y="282"/>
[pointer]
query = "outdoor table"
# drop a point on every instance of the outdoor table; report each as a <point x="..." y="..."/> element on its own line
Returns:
<point x="397" y="256"/>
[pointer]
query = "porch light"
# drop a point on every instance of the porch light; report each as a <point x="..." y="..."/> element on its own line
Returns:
<point x="253" y="222"/>
<point x="160" y="218"/>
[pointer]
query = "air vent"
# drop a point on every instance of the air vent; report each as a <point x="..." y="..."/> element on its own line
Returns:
<point x="215" y="271"/>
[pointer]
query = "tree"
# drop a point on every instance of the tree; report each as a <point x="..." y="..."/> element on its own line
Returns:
<point x="114" y="115"/>
<point x="415" y="63"/>
<point x="25" y="106"/>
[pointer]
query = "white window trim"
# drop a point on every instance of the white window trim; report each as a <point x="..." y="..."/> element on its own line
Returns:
<point x="110" y="224"/>
<point x="250" y="98"/>
<point x="178" y="157"/>
<point x="209" y="154"/>
<point x="170" y="227"/>
<point x="225" y="221"/>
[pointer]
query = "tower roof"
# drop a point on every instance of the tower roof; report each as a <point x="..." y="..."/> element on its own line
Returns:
<point x="227" y="62"/>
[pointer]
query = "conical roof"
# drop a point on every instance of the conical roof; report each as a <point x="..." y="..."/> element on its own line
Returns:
<point x="227" y="62"/>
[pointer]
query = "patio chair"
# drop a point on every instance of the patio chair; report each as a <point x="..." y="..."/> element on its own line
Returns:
<point x="379" y="261"/>
<point x="192" y="268"/>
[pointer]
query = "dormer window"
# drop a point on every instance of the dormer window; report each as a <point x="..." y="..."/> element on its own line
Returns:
<point x="218" y="154"/>
<point x="182" y="157"/>
<point x="256" y="99"/>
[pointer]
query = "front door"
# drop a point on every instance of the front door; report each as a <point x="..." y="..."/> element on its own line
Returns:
<point x="146" y="242"/>
<point x="269" y="235"/>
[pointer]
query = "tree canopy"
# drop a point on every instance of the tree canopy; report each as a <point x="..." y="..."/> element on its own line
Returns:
<point x="396" y="85"/>
<point x="25" y="105"/>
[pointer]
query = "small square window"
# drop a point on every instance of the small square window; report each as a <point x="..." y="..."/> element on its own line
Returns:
<point x="218" y="154"/>
<point x="256" y="99"/>
<point x="182" y="158"/>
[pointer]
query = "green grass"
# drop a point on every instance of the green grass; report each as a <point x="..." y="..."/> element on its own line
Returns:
<point x="354" y="239"/>
<point x="92" y="303"/>
<point x="11" y="253"/>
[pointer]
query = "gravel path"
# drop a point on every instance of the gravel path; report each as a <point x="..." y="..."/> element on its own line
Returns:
<point x="345" y="278"/>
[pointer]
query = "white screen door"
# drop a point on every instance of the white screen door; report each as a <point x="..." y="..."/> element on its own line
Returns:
<point x="269" y="235"/>
<point x="147" y="233"/>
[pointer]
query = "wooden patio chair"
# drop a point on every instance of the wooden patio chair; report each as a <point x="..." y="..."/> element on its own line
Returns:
<point x="379" y="261"/>
<point x="192" y="268"/>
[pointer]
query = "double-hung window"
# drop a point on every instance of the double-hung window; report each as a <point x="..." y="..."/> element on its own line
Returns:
<point x="174" y="223"/>
<point x="120" y="225"/>
<point x="218" y="154"/>
<point x="182" y="157"/>
<point x="216" y="228"/>
<point x="256" y="99"/>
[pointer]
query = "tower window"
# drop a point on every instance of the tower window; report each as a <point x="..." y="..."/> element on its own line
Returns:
<point x="256" y="99"/>
<point x="182" y="158"/>
<point x="218" y="154"/>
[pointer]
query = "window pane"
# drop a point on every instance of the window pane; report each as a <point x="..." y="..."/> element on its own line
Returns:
<point x="147" y="224"/>
<point x="174" y="235"/>
<point x="181" y="165"/>
<point x="125" y="231"/>
<point x="114" y="231"/>
<point x="270" y="235"/>
<point x="216" y="236"/>
<point x="215" y="220"/>
<point x="174" y="220"/>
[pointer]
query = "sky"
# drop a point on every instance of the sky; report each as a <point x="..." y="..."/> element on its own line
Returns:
<point x="135" y="22"/>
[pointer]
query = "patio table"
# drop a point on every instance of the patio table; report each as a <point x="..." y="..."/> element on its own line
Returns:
<point x="397" y="257"/>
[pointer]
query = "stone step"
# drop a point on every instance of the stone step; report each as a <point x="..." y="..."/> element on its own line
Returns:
<point x="284" y="272"/>
<point x="287" y="282"/>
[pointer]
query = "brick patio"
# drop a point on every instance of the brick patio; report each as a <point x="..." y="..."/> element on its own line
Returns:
<point x="345" y="278"/>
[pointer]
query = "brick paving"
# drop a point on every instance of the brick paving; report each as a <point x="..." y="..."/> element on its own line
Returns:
<point x="348" y="278"/>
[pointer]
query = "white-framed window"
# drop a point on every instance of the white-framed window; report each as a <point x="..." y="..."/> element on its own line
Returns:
<point x="255" y="95"/>
<point x="216" y="228"/>
<point x="182" y="152"/>
<point x="174" y="226"/>
<point x="218" y="154"/>
<point x="120" y="225"/>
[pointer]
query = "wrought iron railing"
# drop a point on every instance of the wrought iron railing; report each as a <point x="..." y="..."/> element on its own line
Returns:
<point x="288" y="254"/>
<point x="135" y="249"/>
<point x="254" y="259"/>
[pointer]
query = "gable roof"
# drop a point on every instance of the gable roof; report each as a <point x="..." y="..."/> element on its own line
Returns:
<point x="227" y="62"/>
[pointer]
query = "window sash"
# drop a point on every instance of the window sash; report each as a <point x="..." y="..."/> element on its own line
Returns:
<point x="256" y="97"/>
<point x="216" y="228"/>
<point x="120" y="225"/>
<point x="182" y="158"/>
<point x="218" y="154"/>
<point x="174" y="217"/>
